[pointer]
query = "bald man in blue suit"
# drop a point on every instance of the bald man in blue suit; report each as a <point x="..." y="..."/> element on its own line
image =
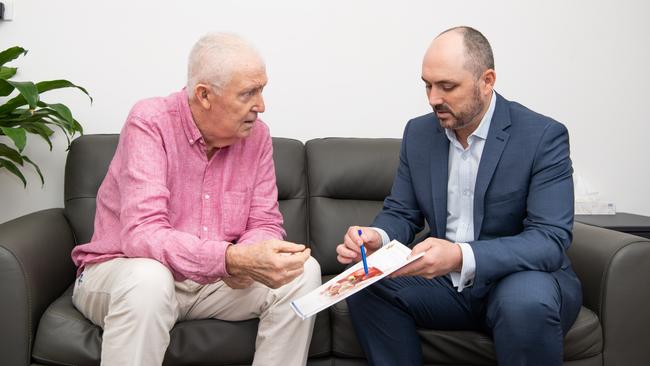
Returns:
<point x="493" y="180"/>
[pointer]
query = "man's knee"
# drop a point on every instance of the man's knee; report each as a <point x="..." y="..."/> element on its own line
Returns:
<point x="312" y="273"/>
<point x="148" y="285"/>
<point x="530" y="301"/>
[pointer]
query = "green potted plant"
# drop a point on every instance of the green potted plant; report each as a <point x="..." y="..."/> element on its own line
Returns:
<point x="22" y="111"/>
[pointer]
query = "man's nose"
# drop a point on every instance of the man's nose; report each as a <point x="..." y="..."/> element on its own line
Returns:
<point x="434" y="98"/>
<point x="259" y="106"/>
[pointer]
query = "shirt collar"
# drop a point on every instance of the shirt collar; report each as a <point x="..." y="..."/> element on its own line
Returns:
<point x="483" y="127"/>
<point x="189" y="126"/>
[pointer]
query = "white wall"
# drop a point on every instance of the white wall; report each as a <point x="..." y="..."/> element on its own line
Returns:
<point x="349" y="68"/>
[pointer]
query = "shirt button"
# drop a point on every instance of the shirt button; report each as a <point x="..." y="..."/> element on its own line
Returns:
<point x="207" y="196"/>
<point x="205" y="228"/>
<point x="464" y="156"/>
<point x="466" y="192"/>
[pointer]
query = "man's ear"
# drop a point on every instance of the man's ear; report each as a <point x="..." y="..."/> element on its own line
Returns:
<point x="201" y="94"/>
<point x="488" y="79"/>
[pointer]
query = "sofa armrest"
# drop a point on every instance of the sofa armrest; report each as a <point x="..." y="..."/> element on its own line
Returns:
<point x="35" y="268"/>
<point x="614" y="269"/>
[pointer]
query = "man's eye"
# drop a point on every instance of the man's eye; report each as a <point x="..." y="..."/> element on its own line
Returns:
<point x="448" y="87"/>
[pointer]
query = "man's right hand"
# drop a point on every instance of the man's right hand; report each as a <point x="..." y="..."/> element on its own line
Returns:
<point x="350" y="250"/>
<point x="273" y="262"/>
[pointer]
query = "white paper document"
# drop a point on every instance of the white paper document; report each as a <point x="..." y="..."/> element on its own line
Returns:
<point x="381" y="263"/>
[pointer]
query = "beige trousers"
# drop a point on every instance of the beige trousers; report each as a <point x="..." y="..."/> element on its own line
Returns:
<point x="137" y="302"/>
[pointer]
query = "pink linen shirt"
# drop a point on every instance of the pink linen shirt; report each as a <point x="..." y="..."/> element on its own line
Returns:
<point x="163" y="199"/>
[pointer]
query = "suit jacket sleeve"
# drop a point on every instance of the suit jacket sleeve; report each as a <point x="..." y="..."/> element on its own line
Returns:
<point x="400" y="217"/>
<point x="546" y="236"/>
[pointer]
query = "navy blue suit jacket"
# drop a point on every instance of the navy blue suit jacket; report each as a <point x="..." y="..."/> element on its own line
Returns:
<point x="523" y="199"/>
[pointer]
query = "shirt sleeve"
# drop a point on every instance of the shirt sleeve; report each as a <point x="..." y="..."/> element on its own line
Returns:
<point x="265" y="220"/>
<point x="466" y="276"/>
<point x="144" y="210"/>
<point x="384" y="237"/>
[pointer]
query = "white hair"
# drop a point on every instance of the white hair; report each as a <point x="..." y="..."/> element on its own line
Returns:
<point x="215" y="57"/>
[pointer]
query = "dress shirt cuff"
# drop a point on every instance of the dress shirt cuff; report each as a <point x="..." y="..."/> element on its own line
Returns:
<point x="466" y="276"/>
<point x="384" y="237"/>
<point x="216" y="260"/>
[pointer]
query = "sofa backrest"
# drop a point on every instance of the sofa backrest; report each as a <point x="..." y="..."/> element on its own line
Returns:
<point x="348" y="180"/>
<point x="90" y="155"/>
<point x="324" y="186"/>
<point x="85" y="169"/>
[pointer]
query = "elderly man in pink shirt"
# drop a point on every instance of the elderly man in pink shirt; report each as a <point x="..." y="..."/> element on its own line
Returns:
<point x="187" y="224"/>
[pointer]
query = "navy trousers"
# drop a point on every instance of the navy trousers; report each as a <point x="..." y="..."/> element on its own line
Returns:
<point x="522" y="312"/>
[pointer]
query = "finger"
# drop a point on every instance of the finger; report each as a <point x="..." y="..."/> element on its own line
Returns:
<point x="288" y="247"/>
<point x="295" y="260"/>
<point x="343" y="251"/>
<point x="421" y="247"/>
<point x="344" y="260"/>
<point x="354" y="234"/>
<point x="352" y="244"/>
<point x="368" y="235"/>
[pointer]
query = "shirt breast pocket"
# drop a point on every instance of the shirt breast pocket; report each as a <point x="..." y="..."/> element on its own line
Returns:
<point x="234" y="213"/>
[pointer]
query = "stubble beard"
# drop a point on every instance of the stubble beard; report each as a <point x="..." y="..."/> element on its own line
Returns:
<point x="466" y="116"/>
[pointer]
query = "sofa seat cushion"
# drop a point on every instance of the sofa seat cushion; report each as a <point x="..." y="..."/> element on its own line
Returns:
<point x="582" y="341"/>
<point x="66" y="337"/>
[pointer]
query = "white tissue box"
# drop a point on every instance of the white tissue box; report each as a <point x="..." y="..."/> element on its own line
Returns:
<point x="594" y="208"/>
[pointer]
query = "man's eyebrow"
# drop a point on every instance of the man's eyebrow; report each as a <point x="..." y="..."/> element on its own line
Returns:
<point x="252" y="87"/>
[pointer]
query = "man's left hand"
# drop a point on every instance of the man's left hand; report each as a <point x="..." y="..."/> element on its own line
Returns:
<point x="238" y="282"/>
<point x="440" y="257"/>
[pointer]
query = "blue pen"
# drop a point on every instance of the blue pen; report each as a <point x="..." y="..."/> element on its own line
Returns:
<point x="363" y="256"/>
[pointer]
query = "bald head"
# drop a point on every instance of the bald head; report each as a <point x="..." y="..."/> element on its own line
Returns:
<point x="217" y="56"/>
<point x="458" y="72"/>
<point x="466" y="44"/>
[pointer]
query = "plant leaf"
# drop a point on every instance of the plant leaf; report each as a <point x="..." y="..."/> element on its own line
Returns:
<point x="7" y="72"/>
<point x="41" y="130"/>
<point x="62" y="111"/>
<point x="42" y="87"/>
<point x="38" y="170"/>
<point x="61" y="115"/>
<point x="17" y="135"/>
<point x="28" y="90"/>
<point x="5" y="88"/>
<point x="10" y="54"/>
<point x="77" y="126"/>
<point x="10" y="153"/>
<point x="11" y="167"/>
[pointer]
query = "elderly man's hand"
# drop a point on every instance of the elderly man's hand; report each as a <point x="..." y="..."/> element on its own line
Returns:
<point x="273" y="262"/>
<point x="440" y="257"/>
<point x="350" y="250"/>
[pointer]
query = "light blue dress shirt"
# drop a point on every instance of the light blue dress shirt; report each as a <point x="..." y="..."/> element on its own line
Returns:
<point x="463" y="168"/>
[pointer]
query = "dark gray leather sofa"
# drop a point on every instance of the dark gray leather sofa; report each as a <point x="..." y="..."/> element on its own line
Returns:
<point x="324" y="186"/>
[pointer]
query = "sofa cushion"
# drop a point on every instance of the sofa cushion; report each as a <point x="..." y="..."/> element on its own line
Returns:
<point x="583" y="340"/>
<point x="66" y="337"/>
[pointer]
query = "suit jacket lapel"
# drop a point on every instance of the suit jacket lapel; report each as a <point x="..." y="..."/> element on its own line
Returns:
<point x="494" y="145"/>
<point x="439" y="179"/>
